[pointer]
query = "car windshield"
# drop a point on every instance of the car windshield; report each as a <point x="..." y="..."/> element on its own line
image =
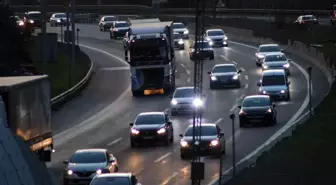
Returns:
<point x="275" y="58"/>
<point x="112" y="18"/>
<point x="111" y="181"/>
<point x="202" y="45"/>
<point x="205" y="131"/>
<point x="184" y="93"/>
<point x="178" y="26"/>
<point x="256" y="102"/>
<point x="88" y="157"/>
<point x="177" y="36"/>
<point x="224" y="69"/>
<point x="269" y="49"/>
<point x="120" y="25"/>
<point x="154" y="119"/>
<point x="147" y="50"/>
<point x="34" y="16"/>
<point x="273" y="80"/>
<point x="61" y="15"/>
<point x="308" y="17"/>
<point x="216" y="33"/>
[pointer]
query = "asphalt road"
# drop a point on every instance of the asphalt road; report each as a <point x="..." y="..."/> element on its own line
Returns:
<point x="104" y="122"/>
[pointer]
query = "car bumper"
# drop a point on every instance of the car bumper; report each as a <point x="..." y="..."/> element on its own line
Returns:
<point x="273" y="68"/>
<point x="78" y="181"/>
<point x="277" y="96"/>
<point x="203" y="151"/>
<point x="225" y="83"/>
<point x="219" y="43"/>
<point x="149" y="139"/>
<point x="119" y="33"/>
<point x="259" y="119"/>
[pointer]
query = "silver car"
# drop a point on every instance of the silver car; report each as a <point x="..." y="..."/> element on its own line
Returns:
<point x="85" y="164"/>
<point x="275" y="84"/>
<point x="266" y="49"/>
<point x="185" y="101"/>
<point x="115" y="179"/>
<point x="106" y="22"/>
<point x="216" y="37"/>
<point x="276" y="61"/>
<point x="181" y="29"/>
<point x="58" y="19"/>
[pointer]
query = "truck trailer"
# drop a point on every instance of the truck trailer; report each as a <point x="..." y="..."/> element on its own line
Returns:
<point x="25" y="109"/>
<point x="150" y="54"/>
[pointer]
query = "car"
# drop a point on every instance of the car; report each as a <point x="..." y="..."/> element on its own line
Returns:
<point x="216" y="37"/>
<point x="265" y="49"/>
<point x="225" y="75"/>
<point x="185" y="101"/>
<point x="275" y="83"/>
<point x="257" y="109"/>
<point x="34" y="17"/>
<point x="212" y="140"/>
<point x="180" y="28"/>
<point x="151" y="127"/>
<point x="306" y="19"/>
<point x="205" y="51"/>
<point x="333" y="15"/>
<point x="84" y="164"/>
<point x="119" y="29"/>
<point x="178" y="41"/>
<point x="58" y="19"/>
<point x="20" y="24"/>
<point x="115" y="179"/>
<point x="276" y="61"/>
<point x="106" y="22"/>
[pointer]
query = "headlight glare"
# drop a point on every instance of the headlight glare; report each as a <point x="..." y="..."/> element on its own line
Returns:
<point x="214" y="143"/>
<point x="181" y="41"/>
<point x="174" y="102"/>
<point x="161" y="131"/>
<point x="286" y="65"/>
<point x="134" y="131"/>
<point x="235" y="77"/>
<point x="70" y="172"/>
<point x="99" y="171"/>
<point x="264" y="92"/>
<point x="283" y="91"/>
<point x="197" y="102"/>
<point x="184" y="143"/>
<point x="213" y="78"/>
<point x="186" y="32"/>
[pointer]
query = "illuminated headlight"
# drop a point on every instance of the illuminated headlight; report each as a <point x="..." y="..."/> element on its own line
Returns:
<point x="208" y="39"/>
<point x="210" y="43"/>
<point x="70" y="172"/>
<point x="213" y="78"/>
<point x="264" y="92"/>
<point x="99" y="171"/>
<point x="135" y="132"/>
<point x="282" y="91"/>
<point x="173" y="102"/>
<point x="181" y="41"/>
<point x="161" y="131"/>
<point x="265" y="67"/>
<point x="214" y="143"/>
<point x="31" y="21"/>
<point x="184" y="144"/>
<point x="186" y="32"/>
<point x="235" y="77"/>
<point x="260" y="56"/>
<point x="286" y="66"/>
<point x="21" y="23"/>
<point x="197" y="102"/>
<point x="58" y="20"/>
<point x="225" y="38"/>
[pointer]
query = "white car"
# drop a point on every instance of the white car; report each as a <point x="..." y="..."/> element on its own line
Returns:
<point x="106" y="22"/>
<point x="185" y="101"/>
<point x="216" y="37"/>
<point x="180" y="28"/>
<point x="266" y="49"/>
<point x="276" y="61"/>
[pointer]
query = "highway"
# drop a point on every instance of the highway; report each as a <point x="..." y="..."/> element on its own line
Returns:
<point x="100" y="117"/>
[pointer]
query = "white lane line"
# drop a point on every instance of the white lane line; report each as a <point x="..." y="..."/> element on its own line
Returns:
<point x="188" y="72"/>
<point x="242" y="69"/>
<point x="224" y="57"/>
<point x="165" y="182"/>
<point x="246" y="77"/>
<point x="189" y="79"/>
<point x="183" y="65"/>
<point x="114" y="68"/>
<point x="218" y="121"/>
<point x="166" y="110"/>
<point x="241" y="97"/>
<point x="236" y="134"/>
<point x="139" y="171"/>
<point x="234" y="62"/>
<point x="233" y="108"/>
<point x="246" y="86"/>
<point x="114" y="142"/>
<point x="163" y="157"/>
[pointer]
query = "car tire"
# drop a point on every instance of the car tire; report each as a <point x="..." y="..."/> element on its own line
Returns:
<point x="274" y="122"/>
<point x="258" y="64"/>
<point x="183" y="156"/>
<point x="172" y="138"/>
<point x="167" y="141"/>
<point x="288" y="98"/>
<point x="132" y="144"/>
<point x="111" y="37"/>
<point x="100" y="28"/>
<point x="137" y="93"/>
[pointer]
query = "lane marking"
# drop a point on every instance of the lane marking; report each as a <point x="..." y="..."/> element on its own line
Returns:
<point x="165" y="182"/>
<point x="189" y="79"/>
<point x="236" y="134"/>
<point x="246" y="77"/>
<point x="188" y="72"/>
<point x="218" y="121"/>
<point x="224" y="57"/>
<point x="114" y="68"/>
<point x="242" y="69"/>
<point x="139" y="171"/>
<point x="233" y="108"/>
<point x="114" y="142"/>
<point x="163" y="157"/>
<point x="246" y="86"/>
<point x="183" y="65"/>
<point x="241" y="97"/>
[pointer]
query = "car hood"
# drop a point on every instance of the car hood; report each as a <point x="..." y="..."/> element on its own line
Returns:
<point x="225" y="74"/>
<point x="123" y="28"/>
<point x="276" y="64"/>
<point x="273" y="88"/>
<point x="184" y="100"/>
<point x="149" y="126"/>
<point x="180" y="29"/>
<point x="270" y="53"/>
<point x="253" y="110"/>
<point x="217" y="37"/>
<point x="86" y="167"/>
<point x="203" y="138"/>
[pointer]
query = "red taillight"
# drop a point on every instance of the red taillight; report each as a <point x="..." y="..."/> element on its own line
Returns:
<point x="303" y="22"/>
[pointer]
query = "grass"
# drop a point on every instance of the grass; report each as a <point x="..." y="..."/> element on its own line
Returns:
<point x="58" y="71"/>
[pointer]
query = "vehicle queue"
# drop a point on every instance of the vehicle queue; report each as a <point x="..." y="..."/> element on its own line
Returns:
<point x="99" y="167"/>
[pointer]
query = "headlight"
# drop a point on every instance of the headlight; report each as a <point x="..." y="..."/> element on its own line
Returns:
<point x="208" y="39"/>
<point x="286" y="65"/>
<point x="161" y="131"/>
<point x="186" y="32"/>
<point x="184" y="143"/>
<point x="210" y="43"/>
<point x="213" y="78"/>
<point x="58" y="20"/>
<point x="174" y="102"/>
<point x="31" y="21"/>
<point x="214" y="143"/>
<point x="70" y="172"/>
<point x="134" y="131"/>
<point x="99" y="171"/>
<point x="265" y="67"/>
<point x="260" y="56"/>
<point x="264" y="92"/>
<point x="181" y="41"/>
<point x="269" y="110"/>
<point x="197" y="102"/>
<point x="235" y="77"/>
<point x="21" y="23"/>
<point x="282" y="91"/>
<point x="225" y="38"/>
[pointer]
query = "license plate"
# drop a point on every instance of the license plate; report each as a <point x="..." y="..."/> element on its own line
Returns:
<point x="255" y="121"/>
<point x="148" y="137"/>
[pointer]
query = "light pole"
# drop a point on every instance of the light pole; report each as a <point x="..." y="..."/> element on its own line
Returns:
<point x="232" y="117"/>
<point x="310" y="91"/>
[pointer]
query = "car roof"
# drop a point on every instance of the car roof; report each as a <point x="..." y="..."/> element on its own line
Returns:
<point x="114" y="175"/>
<point x="224" y="65"/>
<point x="91" y="150"/>
<point x="275" y="54"/>
<point x="59" y="13"/>
<point x="33" y="12"/>
<point x="109" y="16"/>
<point x="204" y="125"/>
<point x="266" y="45"/>
<point x="256" y="96"/>
<point x="274" y="72"/>
<point x="178" y="23"/>
<point x="214" y="30"/>
<point x="121" y="22"/>
<point x="183" y="88"/>
<point x="151" y="113"/>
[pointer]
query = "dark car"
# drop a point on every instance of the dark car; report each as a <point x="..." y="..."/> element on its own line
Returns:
<point x="206" y="51"/>
<point x="306" y="19"/>
<point x="35" y="18"/>
<point x="115" y="179"/>
<point x="212" y="140"/>
<point x="85" y="164"/>
<point x="151" y="126"/>
<point x="119" y="29"/>
<point x="257" y="109"/>
<point x="225" y="75"/>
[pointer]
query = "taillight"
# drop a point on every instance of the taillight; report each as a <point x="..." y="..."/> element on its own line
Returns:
<point x="303" y="22"/>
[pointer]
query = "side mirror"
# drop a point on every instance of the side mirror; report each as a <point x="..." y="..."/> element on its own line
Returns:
<point x="239" y="71"/>
<point x="65" y="162"/>
<point x="111" y="161"/>
<point x="131" y="124"/>
<point x="169" y="123"/>
<point x="181" y="135"/>
<point x="273" y="105"/>
<point x="259" y="84"/>
<point x="239" y="106"/>
<point x="209" y="73"/>
<point x="221" y="134"/>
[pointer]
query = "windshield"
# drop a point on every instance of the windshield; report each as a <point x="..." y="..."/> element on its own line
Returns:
<point x="34" y="16"/>
<point x="154" y="119"/>
<point x="149" y="49"/>
<point x="177" y="36"/>
<point x="120" y="25"/>
<point x="224" y="69"/>
<point x="184" y="93"/>
<point x="88" y="157"/>
<point x="273" y="80"/>
<point x="61" y="15"/>
<point x="256" y="102"/>
<point x="216" y="33"/>
<point x="111" y="181"/>
<point x="307" y="18"/>
<point x="269" y="49"/>
<point x="205" y="131"/>
<point x="202" y="45"/>
<point x="110" y="19"/>
<point x="178" y="26"/>
<point x="275" y="58"/>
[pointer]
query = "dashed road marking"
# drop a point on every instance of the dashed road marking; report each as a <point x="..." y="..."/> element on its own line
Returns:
<point x="163" y="157"/>
<point x="165" y="182"/>
<point x="246" y="77"/>
<point x="233" y="108"/>
<point x="246" y="86"/>
<point x="234" y="62"/>
<point x="188" y="72"/>
<point x="114" y="142"/>
<point x="218" y="121"/>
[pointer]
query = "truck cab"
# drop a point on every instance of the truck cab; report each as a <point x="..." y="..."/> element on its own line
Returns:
<point x="333" y="16"/>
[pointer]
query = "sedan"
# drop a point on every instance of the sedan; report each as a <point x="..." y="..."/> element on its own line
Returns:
<point x="58" y="19"/>
<point x="265" y="49"/>
<point x="205" y="51"/>
<point x="178" y="41"/>
<point x="106" y="22"/>
<point x="257" y="109"/>
<point x="225" y="75"/>
<point x="306" y="19"/>
<point x="151" y="126"/>
<point x="216" y="37"/>
<point x="115" y="179"/>
<point x="85" y="164"/>
<point x="212" y="140"/>
<point x="119" y="29"/>
<point x="276" y="61"/>
<point x="185" y="101"/>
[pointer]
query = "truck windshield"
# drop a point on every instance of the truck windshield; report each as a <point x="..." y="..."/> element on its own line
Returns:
<point x="149" y="49"/>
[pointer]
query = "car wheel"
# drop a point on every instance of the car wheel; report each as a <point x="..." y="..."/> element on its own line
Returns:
<point x="274" y="122"/>
<point x="132" y="144"/>
<point x="111" y="37"/>
<point x="288" y="97"/>
<point x="183" y="156"/>
<point x="258" y="64"/>
<point x="100" y="28"/>
<point x="172" y="138"/>
<point x="137" y="93"/>
<point x="167" y="141"/>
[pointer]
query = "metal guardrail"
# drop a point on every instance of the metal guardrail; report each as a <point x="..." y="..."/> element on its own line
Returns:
<point x="141" y="10"/>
